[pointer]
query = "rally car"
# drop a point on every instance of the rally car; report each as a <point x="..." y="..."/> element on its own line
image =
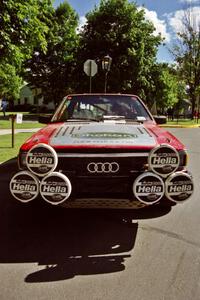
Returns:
<point x="102" y="150"/>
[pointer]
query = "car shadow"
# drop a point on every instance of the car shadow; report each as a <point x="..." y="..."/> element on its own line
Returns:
<point x="8" y="168"/>
<point x="66" y="242"/>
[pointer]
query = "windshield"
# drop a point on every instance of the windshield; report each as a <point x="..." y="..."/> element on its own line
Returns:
<point x="101" y="107"/>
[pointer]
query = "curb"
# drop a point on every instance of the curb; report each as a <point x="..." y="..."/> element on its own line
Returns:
<point x="179" y="126"/>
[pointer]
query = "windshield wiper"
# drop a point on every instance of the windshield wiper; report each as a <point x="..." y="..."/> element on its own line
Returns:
<point x="82" y="119"/>
<point x="134" y="120"/>
<point x="121" y="118"/>
<point x="113" y="117"/>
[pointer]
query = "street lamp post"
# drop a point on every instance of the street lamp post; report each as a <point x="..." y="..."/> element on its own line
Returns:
<point x="106" y="64"/>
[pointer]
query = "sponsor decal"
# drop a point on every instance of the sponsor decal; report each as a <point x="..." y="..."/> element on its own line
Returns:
<point x="179" y="187"/>
<point x="148" y="188"/>
<point x="41" y="159"/>
<point x="24" y="186"/>
<point x="55" y="188"/>
<point x="164" y="160"/>
<point x="107" y="135"/>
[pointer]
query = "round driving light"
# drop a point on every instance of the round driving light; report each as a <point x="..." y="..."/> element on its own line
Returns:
<point x="24" y="186"/>
<point x="148" y="188"/>
<point x="164" y="160"/>
<point x="41" y="159"/>
<point x="179" y="187"/>
<point x="55" y="188"/>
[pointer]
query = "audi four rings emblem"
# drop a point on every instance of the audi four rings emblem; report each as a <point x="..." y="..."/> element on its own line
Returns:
<point x="100" y="167"/>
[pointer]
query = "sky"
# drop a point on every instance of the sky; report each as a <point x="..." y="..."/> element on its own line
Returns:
<point x="166" y="16"/>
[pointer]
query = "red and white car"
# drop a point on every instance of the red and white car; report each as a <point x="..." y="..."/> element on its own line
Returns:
<point x="102" y="150"/>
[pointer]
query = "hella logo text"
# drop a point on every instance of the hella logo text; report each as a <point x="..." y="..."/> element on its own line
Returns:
<point x="54" y="189"/>
<point x="180" y="188"/>
<point x="149" y="189"/>
<point x="24" y="187"/>
<point x="40" y="160"/>
<point x="160" y="160"/>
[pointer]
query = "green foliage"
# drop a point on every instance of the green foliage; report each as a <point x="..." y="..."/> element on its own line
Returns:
<point x="24" y="25"/>
<point x="43" y="46"/>
<point x="119" y="28"/>
<point x="10" y="82"/>
<point x="51" y="71"/>
<point x="167" y="89"/>
<point x="187" y="56"/>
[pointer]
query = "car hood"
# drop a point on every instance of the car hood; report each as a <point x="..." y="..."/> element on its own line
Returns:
<point x="102" y="135"/>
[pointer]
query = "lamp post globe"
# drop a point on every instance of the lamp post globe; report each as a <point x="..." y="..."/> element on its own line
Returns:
<point x="106" y="64"/>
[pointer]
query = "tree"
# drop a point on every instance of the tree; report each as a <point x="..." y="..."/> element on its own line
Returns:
<point x="119" y="28"/>
<point x="23" y="26"/>
<point x="187" y="55"/>
<point x="10" y="81"/>
<point x="166" y="88"/>
<point x="51" y="71"/>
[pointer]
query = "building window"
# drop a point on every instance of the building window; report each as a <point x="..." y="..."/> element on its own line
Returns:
<point x="35" y="101"/>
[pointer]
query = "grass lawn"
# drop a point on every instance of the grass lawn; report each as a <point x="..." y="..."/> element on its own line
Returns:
<point x="184" y="122"/>
<point x="14" y="112"/>
<point x="6" y="150"/>
<point x="6" y="124"/>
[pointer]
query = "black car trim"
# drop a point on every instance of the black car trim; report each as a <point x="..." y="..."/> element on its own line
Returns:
<point x="144" y="154"/>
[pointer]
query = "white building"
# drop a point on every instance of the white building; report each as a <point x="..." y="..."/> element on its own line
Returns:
<point x="32" y="96"/>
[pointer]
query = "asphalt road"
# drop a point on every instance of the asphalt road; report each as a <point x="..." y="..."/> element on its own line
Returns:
<point x="50" y="253"/>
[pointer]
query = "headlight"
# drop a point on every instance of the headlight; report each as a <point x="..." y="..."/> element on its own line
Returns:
<point x="22" y="160"/>
<point x="183" y="158"/>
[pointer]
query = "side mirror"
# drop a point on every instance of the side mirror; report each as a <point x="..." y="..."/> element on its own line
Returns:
<point x="160" y="119"/>
<point x="44" y="119"/>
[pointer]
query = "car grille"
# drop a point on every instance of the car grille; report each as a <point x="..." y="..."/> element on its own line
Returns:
<point x="114" y="173"/>
<point x="101" y="166"/>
